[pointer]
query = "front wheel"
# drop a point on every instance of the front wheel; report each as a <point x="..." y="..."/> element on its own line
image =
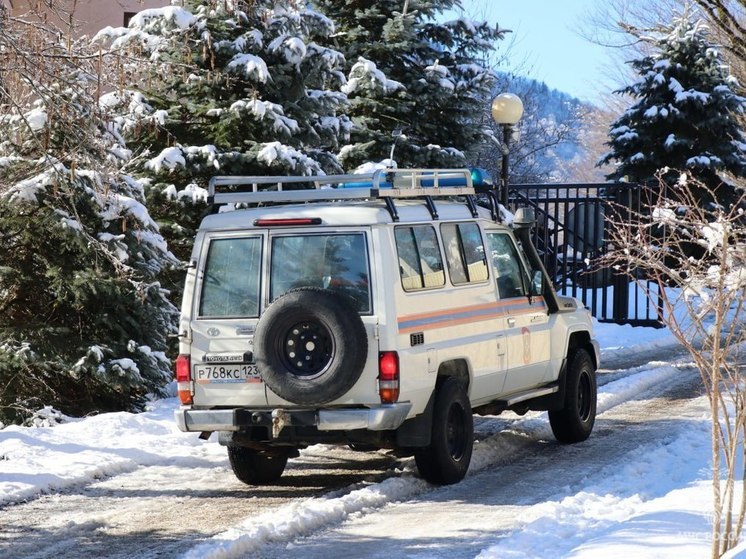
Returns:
<point x="446" y="459"/>
<point x="255" y="468"/>
<point x="574" y="422"/>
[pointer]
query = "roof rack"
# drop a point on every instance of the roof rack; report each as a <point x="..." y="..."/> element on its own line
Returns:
<point x="386" y="184"/>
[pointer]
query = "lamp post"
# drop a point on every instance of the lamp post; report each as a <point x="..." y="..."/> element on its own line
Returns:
<point x="507" y="110"/>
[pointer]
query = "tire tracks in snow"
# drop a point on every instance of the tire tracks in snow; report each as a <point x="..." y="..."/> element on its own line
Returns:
<point x="507" y="441"/>
<point x="176" y="505"/>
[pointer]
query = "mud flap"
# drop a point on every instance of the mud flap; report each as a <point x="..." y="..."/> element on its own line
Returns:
<point x="416" y="432"/>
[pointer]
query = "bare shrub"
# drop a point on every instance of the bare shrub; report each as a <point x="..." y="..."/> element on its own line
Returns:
<point x="696" y="256"/>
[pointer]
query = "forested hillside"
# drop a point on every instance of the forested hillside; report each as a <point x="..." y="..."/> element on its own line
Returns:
<point x="559" y="137"/>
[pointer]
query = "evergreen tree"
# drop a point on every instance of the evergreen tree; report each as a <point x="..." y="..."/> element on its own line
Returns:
<point x="685" y="114"/>
<point x="407" y="71"/>
<point x="83" y="319"/>
<point x="232" y="87"/>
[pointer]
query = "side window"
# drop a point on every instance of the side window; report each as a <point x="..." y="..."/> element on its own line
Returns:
<point x="464" y="252"/>
<point x="230" y="282"/>
<point x="511" y="278"/>
<point x="420" y="262"/>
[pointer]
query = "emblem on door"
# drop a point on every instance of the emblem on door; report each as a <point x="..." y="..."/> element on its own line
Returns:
<point x="526" y="335"/>
<point x="213" y="332"/>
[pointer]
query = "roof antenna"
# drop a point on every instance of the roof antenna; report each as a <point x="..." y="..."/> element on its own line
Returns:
<point x="391" y="166"/>
<point x="397" y="133"/>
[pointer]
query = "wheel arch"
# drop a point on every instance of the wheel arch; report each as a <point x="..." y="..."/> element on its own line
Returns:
<point x="458" y="368"/>
<point x="581" y="339"/>
<point x="416" y="432"/>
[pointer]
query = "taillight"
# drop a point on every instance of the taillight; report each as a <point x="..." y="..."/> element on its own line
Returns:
<point x="388" y="376"/>
<point x="184" y="378"/>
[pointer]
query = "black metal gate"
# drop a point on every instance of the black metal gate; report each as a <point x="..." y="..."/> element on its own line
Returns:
<point x="571" y="236"/>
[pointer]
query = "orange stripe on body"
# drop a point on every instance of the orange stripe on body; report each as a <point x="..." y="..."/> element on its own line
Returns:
<point x="476" y="313"/>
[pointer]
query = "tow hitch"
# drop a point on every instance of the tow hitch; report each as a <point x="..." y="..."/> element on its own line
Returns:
<point x="280" y="418"/>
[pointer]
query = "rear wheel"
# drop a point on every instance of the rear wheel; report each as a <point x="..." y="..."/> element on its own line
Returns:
<point x="574" y="422"/>
<point x="253" y="467"/>
<point x="446" y="459"/>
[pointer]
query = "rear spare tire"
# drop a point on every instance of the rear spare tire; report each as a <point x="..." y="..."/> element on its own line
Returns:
<point x="310" y="346"/>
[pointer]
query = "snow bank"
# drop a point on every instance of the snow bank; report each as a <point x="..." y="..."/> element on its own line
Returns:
<point x="39" y="460"/>
<point x="630" y="511"/>
<point x="302" y="518"/>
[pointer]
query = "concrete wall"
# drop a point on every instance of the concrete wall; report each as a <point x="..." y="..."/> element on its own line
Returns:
<point x="88" y="16"/>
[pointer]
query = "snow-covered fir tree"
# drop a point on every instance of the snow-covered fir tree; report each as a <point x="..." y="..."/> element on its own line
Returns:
<point x="685" y="114"/>
<point x="410" y="72"/>
<point x="84" y="321"/>
<point x="231" y="87"/>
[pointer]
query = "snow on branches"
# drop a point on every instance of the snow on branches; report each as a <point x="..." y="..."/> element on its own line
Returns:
<point x="81" y="254"/>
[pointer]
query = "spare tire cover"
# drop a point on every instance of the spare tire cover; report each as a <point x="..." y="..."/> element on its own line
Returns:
<point x="310" y="346"/>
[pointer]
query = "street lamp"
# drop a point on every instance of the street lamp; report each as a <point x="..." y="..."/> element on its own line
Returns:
<point x="507" y="109"/>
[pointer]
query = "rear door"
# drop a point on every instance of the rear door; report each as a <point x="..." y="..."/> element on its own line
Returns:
<point x="526" y="318"/>
<point x="338" y="261"/>
<point x="227" y="306"/>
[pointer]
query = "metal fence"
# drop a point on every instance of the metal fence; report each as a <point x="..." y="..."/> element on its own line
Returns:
<point x="572" y="236"/>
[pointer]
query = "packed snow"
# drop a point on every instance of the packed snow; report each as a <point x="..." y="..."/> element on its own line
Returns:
<point x="624" y="511"/>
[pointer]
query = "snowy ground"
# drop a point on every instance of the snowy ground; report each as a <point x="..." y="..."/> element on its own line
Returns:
<point x="653" y="505"/>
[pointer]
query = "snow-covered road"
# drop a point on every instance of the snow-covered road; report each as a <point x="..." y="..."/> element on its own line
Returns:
<point x="516" y="472"/>
<point x="148" y="491"/>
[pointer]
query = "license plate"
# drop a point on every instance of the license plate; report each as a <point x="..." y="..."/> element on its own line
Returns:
<point x="226" y="373"/>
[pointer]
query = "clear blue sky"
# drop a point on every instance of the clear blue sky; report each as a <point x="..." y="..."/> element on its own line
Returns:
<point x="545" y="44"/>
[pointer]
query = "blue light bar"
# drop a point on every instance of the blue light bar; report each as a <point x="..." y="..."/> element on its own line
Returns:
<point x="479" y="177"/>
<point x="364" y="184"/>
<point x="455" y="181"/>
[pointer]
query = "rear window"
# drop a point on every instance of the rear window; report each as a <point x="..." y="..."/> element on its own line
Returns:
<point x="231" y="280"/>
<point x="337" y="262"/>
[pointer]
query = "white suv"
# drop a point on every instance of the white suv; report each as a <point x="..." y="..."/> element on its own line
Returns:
<point x="373" y="311"/>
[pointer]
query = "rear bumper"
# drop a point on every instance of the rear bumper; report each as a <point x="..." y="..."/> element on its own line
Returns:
<point x="380" y="418"/>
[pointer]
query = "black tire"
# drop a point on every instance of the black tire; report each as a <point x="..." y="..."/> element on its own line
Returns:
<point x="446" y="459"/>
<point x="310" y="346"/>
<point x="255" y="468"/>
<point x="574" y="422"/>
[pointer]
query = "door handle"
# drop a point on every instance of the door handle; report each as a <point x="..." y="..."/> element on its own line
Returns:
<point x="511" y="322"/>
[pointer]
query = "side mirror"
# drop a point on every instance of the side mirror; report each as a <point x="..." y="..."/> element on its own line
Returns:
<point x="537" y="282"/>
